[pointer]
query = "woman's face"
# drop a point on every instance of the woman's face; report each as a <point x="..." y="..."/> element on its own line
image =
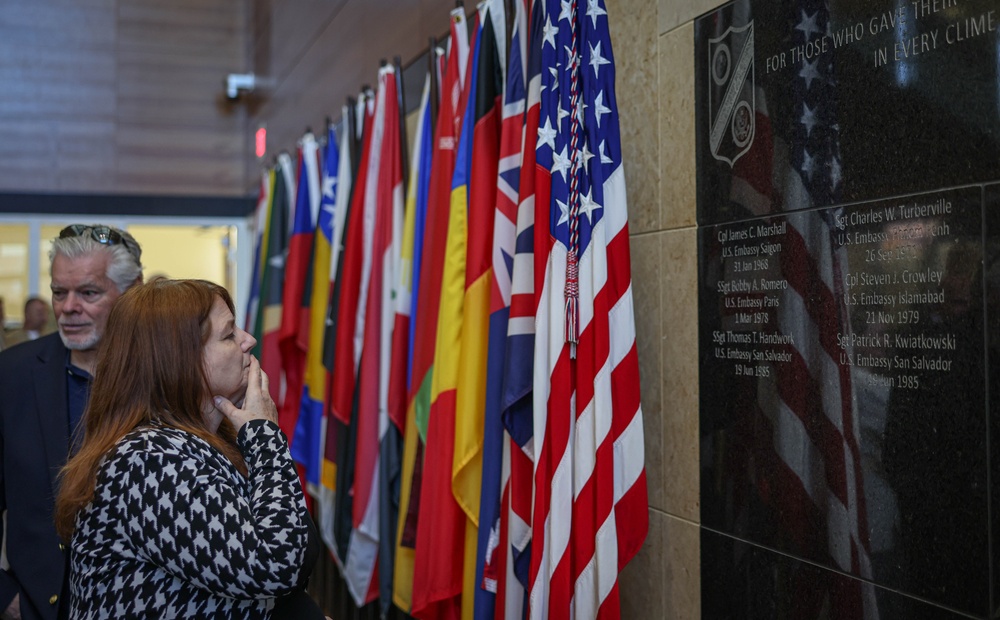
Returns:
<point x="226" y="356"/>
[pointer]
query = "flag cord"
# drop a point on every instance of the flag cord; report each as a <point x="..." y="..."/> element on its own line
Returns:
<point x="571" y="291"/>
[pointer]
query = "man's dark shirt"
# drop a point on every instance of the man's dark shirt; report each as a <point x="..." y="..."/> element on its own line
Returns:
<point x="78" y="383"/>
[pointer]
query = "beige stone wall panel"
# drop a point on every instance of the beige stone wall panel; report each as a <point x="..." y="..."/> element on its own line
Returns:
<point x="677" y="191"/>
<point x="633" y="38"/>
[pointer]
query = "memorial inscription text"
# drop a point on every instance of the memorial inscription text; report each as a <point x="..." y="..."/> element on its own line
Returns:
<point x="893" y="287"/>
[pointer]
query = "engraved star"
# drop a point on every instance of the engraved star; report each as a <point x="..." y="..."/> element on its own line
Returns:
<point x="563" y="212"/>
<point x="546" y="135"/>
<point x="565" y="11"/>
<point x="808" y="25"/>
<point x="808" y="118"/>
<point x="588" y="206"/>
<point x="808" y="165"/>
<point x="599" y="108"/>
<point x="596" y="60"/>
<point x="835" y="173"/>
<point x="560" y="163"/>
<point x="594" y="10"/>
<point x="809" y="72"/>
<point x="549" y="33"/>
<point x="602" y="148"/>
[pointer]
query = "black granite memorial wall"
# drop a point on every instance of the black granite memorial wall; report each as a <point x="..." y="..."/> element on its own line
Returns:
<point x="849" y="308"/>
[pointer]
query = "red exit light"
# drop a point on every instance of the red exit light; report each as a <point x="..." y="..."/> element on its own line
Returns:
<point x="261" y="141"/>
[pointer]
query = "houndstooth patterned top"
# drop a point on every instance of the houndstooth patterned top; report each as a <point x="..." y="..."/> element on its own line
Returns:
<point x="174" y="530"/>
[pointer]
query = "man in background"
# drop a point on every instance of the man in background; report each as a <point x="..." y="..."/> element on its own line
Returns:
<point x="44" y="387"/>
<point x="36" y="322"/>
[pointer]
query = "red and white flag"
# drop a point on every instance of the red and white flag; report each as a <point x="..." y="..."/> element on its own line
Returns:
<point x="382" y="216"/>
<point x="590" y="513"/>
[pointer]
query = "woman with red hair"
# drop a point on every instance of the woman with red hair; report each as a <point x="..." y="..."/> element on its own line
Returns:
<point x="182" y="500"/>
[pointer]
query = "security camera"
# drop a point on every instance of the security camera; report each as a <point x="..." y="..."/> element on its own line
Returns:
<point x="239" y="82"/>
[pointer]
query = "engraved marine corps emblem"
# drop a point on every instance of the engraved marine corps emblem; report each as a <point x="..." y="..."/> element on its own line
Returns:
<point x="731" y="93"/>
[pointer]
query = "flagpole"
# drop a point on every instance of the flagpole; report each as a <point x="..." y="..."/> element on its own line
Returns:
<point x="350" y="126"/>
<point x="509" y="11"/>
<point x="432" y="66"/>
<point x="403" y="150"/>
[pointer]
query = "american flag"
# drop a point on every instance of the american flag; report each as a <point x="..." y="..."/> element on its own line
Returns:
<point x="590" y="507"/>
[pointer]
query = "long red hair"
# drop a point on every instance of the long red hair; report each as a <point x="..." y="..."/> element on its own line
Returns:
<point x="149" y="370"/>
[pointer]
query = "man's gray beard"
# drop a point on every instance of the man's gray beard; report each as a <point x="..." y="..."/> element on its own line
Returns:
<point x="86" y="345"/>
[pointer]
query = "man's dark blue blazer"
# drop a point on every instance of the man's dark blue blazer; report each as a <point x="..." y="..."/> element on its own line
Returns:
<point x="34" y="443"/>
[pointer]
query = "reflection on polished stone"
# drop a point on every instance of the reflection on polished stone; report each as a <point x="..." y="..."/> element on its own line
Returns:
<point x="849" y="306"/>
<point x="802" y="103"/>
<point x="850" y="429"/>
<point x="748" y="582"/>
<point x="991" y="270"/>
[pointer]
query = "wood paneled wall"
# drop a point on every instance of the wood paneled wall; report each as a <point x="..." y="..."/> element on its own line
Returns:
<point x="319" y="52"/>
<point x="122" y="97"/>
<point x="127" y="96"/>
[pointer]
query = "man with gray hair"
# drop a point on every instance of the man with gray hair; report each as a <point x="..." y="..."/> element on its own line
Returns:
<point x="44" y="387"/>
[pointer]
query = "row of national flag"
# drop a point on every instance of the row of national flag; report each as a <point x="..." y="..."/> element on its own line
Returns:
<point x="449" y="332"/>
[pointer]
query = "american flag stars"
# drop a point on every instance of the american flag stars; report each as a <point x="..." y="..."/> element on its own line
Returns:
<point x="567" y="155"/>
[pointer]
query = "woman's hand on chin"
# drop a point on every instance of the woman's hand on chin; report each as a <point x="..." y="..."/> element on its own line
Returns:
<point x="256" y="405"/>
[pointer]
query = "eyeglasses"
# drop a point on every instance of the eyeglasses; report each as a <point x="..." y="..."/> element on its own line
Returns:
<point x="105" y="235"/>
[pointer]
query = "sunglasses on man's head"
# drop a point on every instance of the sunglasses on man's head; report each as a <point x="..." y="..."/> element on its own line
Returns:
<point x="105" y="235"/>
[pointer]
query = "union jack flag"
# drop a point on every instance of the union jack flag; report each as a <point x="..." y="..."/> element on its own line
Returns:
<point x="518" y="380"/>
<point x="501" y="592"/>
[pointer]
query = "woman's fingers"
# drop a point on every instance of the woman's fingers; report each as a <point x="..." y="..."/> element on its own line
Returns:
<point x="257" y="403"/>
<point x="227" y="408"/>
<point x="254" y="379"/>
<point x="265" y="383"/>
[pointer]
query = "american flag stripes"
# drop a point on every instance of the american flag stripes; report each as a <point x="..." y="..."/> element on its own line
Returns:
<point x="494" y="332"/>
